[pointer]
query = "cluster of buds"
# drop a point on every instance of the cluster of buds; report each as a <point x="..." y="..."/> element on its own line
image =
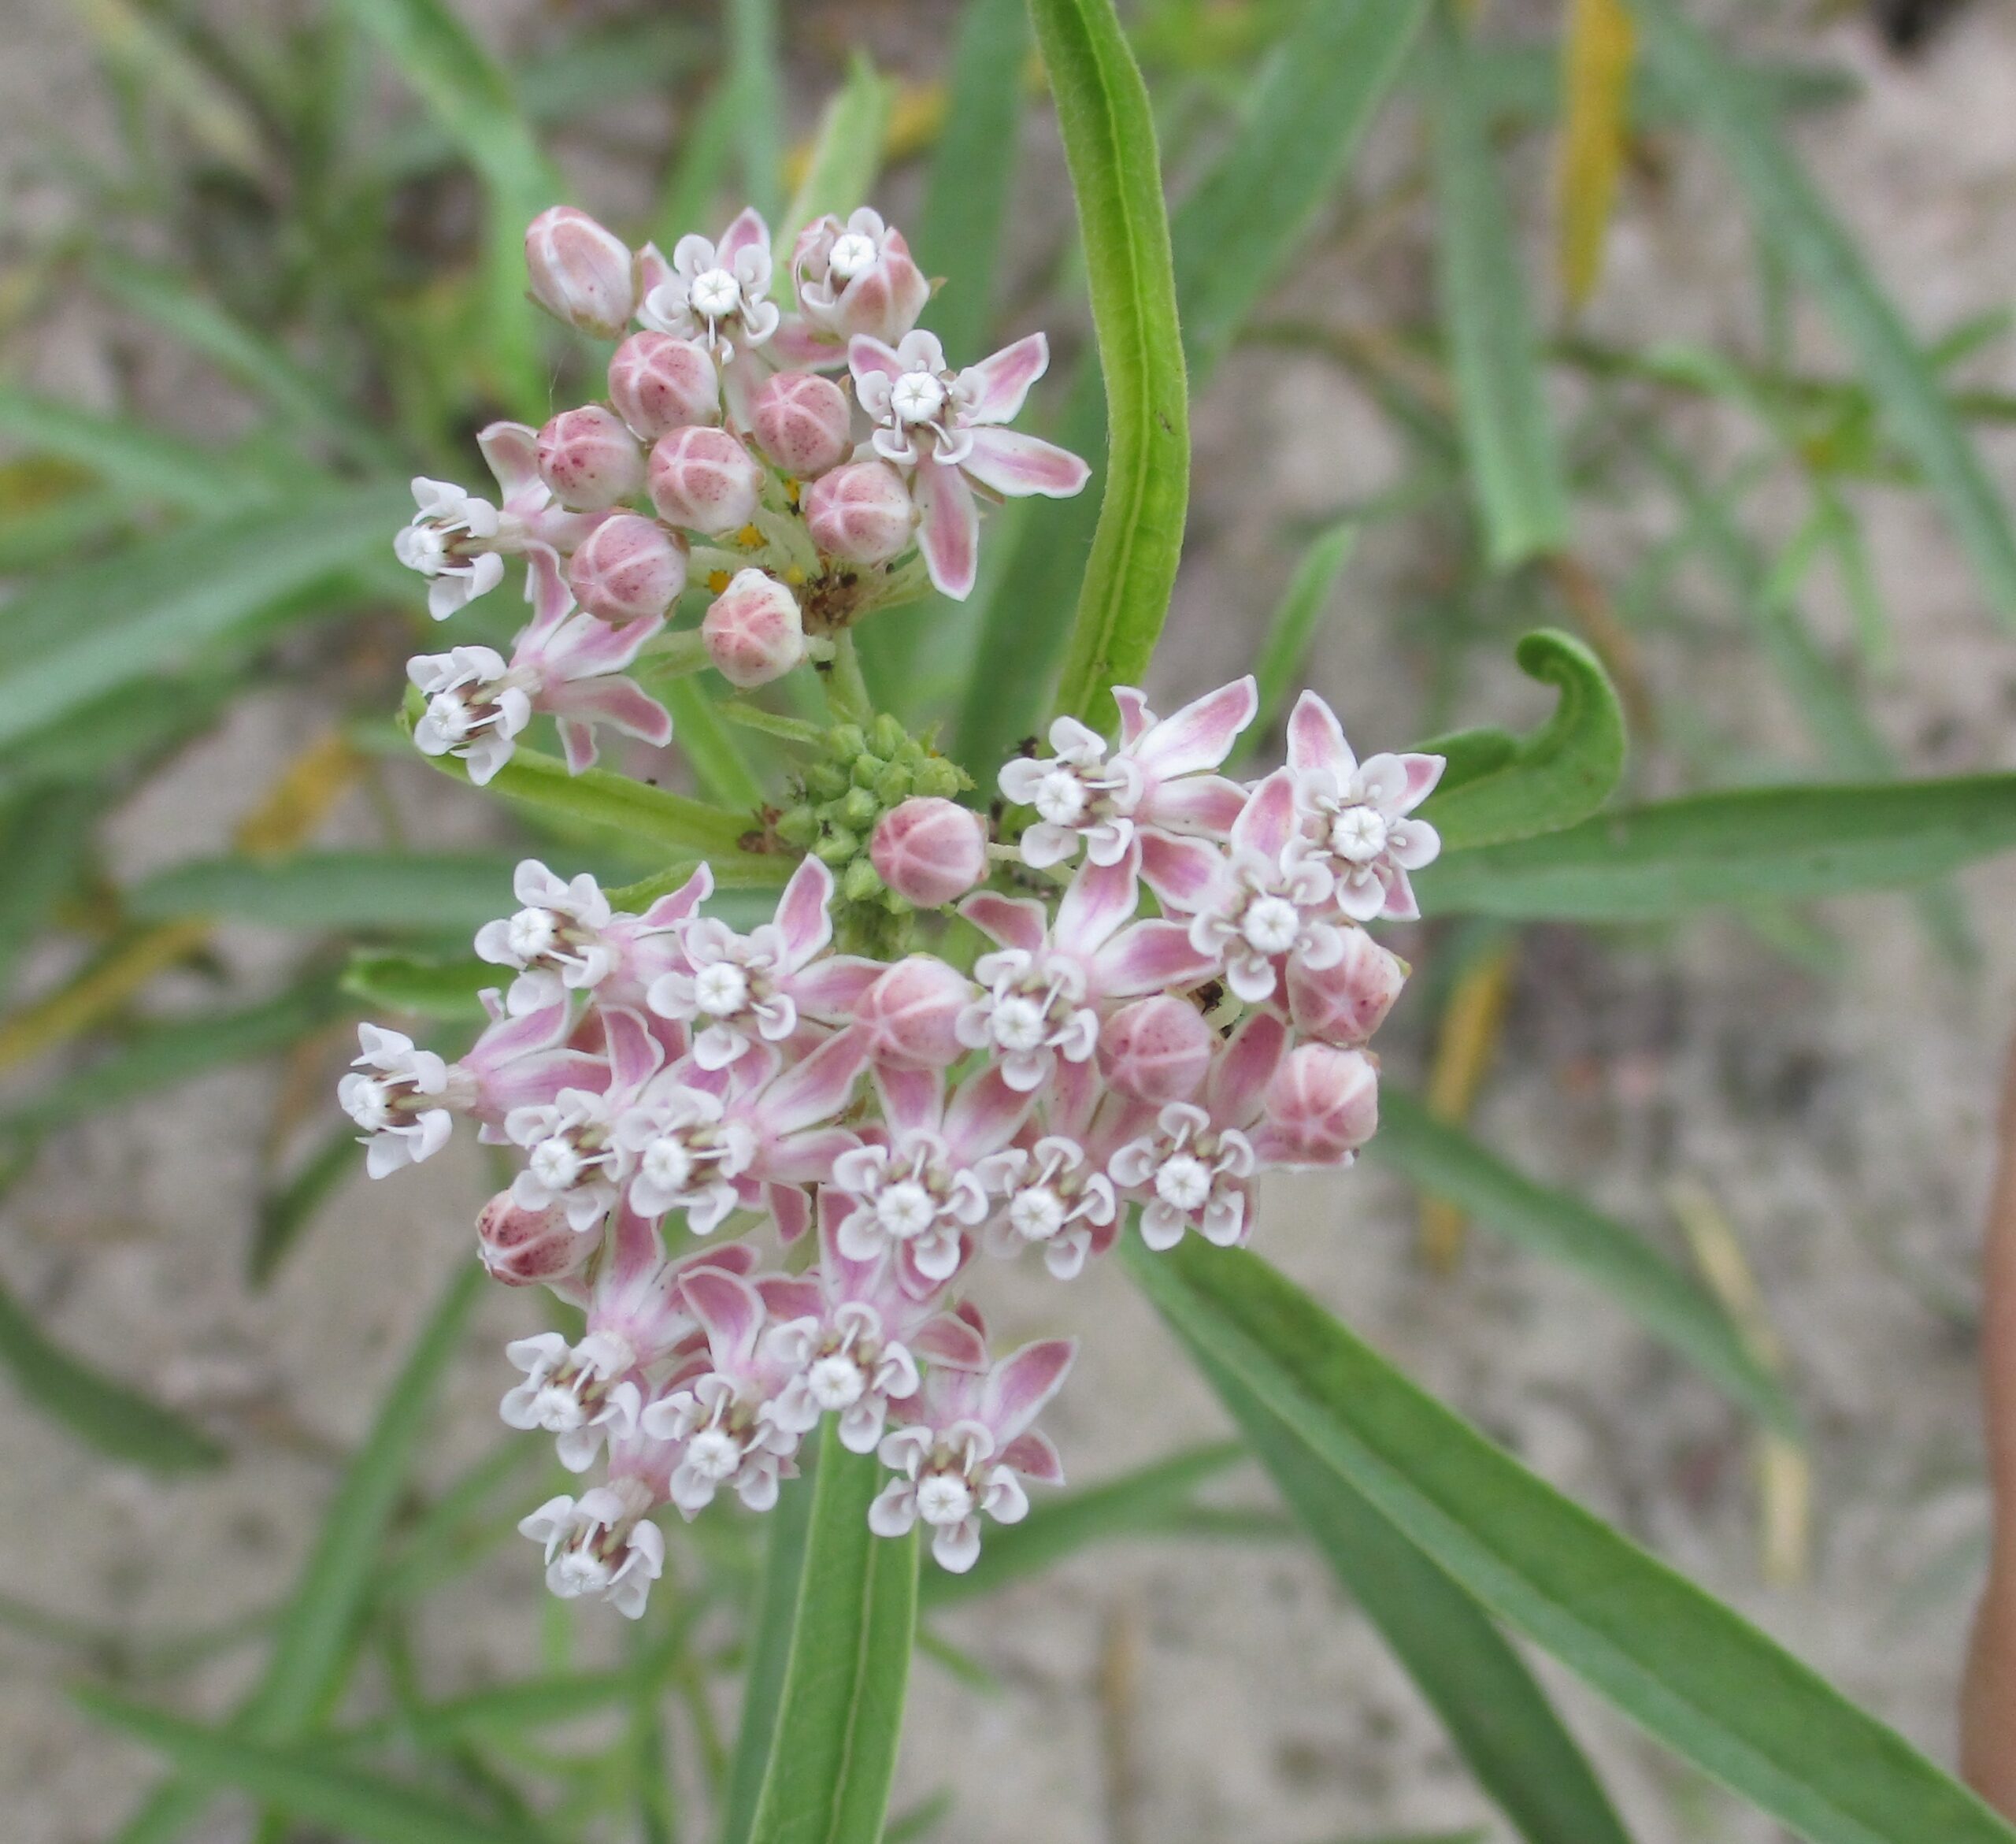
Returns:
<point x="1177" y="997"/>
<point x="805" y="464"/>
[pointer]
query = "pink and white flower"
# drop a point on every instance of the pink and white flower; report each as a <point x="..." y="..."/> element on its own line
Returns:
<point x="968" y="1449"/>
<point x="1054" y="1197"/>
<point x="855" y="277"/>
<point x="1161" y="776"/>
<point x="452" y="541"/>
<point x="603" y="1545"/>
<point x="573" y="1158"/>
<point x="1357" y="814"/>
<point x="943" y="428"/>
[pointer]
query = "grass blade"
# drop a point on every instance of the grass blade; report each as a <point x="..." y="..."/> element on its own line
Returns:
<point x="1499" y="1718"/>
<point x="304" y="1781"/>
<point x="1291" y="630"/>
<point x="286" y="1212"/>
<point x="144" y="464"/>
<point x="755" y="76"/>
<point x="440" y="893"/>
<point x="834" y="1752"/>
<point x="1688" y="1670"/>
<point x="1754" y="844"/>
<point x="1109" y="133"/>
<point x="845" y="157"/>
<point x="1508" y="436"/>
<point x="1596" y="60"/>
<point x="1725" y="104"/>
<point x="117" y="1421"/>
<point x="1443" y="1160"/>
<point x="1563" y="773"/>
<point x="965" y="203"/>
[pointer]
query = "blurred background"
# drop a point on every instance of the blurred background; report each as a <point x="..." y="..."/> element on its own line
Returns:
<point x="259" y="263"/>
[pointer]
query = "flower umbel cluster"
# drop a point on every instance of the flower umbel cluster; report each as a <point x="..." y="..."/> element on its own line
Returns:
<point x="679" y="1092"/>
<point x="803" y="467"/>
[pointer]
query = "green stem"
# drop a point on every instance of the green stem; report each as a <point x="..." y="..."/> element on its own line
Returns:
<point x="673" y="656"/>
<point x="847" y="691"/>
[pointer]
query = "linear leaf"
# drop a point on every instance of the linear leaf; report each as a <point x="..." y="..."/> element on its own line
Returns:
<point x="966" y="201"/>
<point x="147" y="466"/>
<point x="1753" y="844"/>
<point x="304" y="1781"/>
<point x="442" y="894"/>
<point x="1108" y="131"/>
<point x="1291" y="629"/>
<point x="285" y="1212"/>
<point x="1596" y="61"/>
<point x="446" y="989"/>
<point x="846" y="155"/>
<point x="1723" y="103"/>
<point x="1332" y="73"/>
<point x="147" y="610"/>
<point x="1508" y="436"/>
<point x="106" y="1415"/>
<point x="45" y="842"/>
<point x="1499" y="1717"/>
<point x="834" y="1753"/>
<point x="1691" y="1671"/>
<point x="1443" y="1159"/>
<point x="1563" y="773"/>
<point x="1137" y="1501"/>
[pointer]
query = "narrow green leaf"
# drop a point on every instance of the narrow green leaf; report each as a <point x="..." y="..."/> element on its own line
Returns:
<point x="1723" y="102"/>
<point x="755" y="75"/>
<point x="1508" y="437"/>
<point x="1137" y="1501"/>
<point x="1563" y="773"/>
<point x="1331" y="74"/>
<point x="694" y="179"/>
<point x="117" y="1421"/>
<point x="146" y="611"/>
<point x="442" y="893"/>
<point x="1443" y="1159"/>
<point x="151" y="468"/>
<point x="312" y="1643"/>
<point x="45" y="842"/>
<point x="773" y="1620"/>
<point x="828" y="1780"/>
<point x="642" y="816"/>
<point x="1234" y="234"/>
<point x="972" y="173"/>
<point x="444" y="989"/>
<point x="846" y="153"/>
<point x="304" y="1781"/>
<point x="162" y="1056"/>
<point x="1500" y="1719"/>
<point x="1754" y="845"/>
<point x="1687" y="1669"/>
<point x="285" y="1213"/>
<point x="710" y="747"/>
<point x="1109" y="131"/>
<point x="1520" y="81"/>
<point x="1597" y="48"/>
<point x="1291" y="629"/>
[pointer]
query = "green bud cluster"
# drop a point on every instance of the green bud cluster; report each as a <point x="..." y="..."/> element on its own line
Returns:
<point x="859" y="774"/>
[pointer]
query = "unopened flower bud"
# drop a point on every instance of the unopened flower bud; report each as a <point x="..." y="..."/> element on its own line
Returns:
<point x="861" y="514"/>
<point x="1346" y="1003"/>
<point x="522" y="1248"/>
<point x="659" y="383"/>
<point x="803" y="422"/>
<point x="580" y="273"/>
<point x="753" y="631"/>
<point x="1321" y="1105"/>
<point x="589" y="459"/>
<point x="909" y="1016"/>
<point x="629" y="568"/>
<point x="1158" y="1049"/>
<point x="931" y="851"/>
<point x="859" y="882"/>
<point x="705" y="478"/>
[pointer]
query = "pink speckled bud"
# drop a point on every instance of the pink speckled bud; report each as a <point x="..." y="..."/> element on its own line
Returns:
<point x="930" y="851"/>
<point x="705" y="478"/>
<point x="589" y="459"/>
<point x="862" y="514"/>
<point x="1321" y="1105"/>
<point x="909" y="1015"/>
<point x="580" y="273"/>
<point x="629" y="568"/>
<point x="659" y="383"/>
<point x="522" y="1247"/>
<point x="1157" y="1049"/>
<point x="753" y="631"/>
<point x="1347" y="1002"/>
<point x="803" y="422"/>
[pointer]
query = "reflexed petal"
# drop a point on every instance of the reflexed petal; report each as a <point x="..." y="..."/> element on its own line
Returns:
<point x="1200" y="736"/>
<point x="1035" y="1456"/>
<point x="948" y="531"/>
<point x="1022" y="1383"/>
<point x="1197" y="803"/>
<point x="802" y="911"/>
<point x="1098" y="899"/>
<point x="1270" y="819"/>
<point x="1015" y="921"/>
<point x="1148" y="957"/>
<point x="1239" y="1078"/>
<point x="747" y="232"/>
<point x="1183" y="873"/>
<point x="996" y="387"/>
<point x="730" y="1312"/>
<point x="1016" y="465"/>
<point x="1316" y="739"/>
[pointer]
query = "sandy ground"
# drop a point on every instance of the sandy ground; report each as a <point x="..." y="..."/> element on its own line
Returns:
<point x="1186" y="1693"/>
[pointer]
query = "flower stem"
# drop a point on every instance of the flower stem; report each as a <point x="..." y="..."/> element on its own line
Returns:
<point x="847" y="691"/>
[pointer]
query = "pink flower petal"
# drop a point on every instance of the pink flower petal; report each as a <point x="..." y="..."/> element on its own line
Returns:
<point x="867" y="357"/>
<point x="1136" y="719"/>
<point x="999" y="385"/>
<point x="512" y="450"/>
<point x="730" y="1312"/>
<point x="830" y="988"/>
<point x="1200" y="736"/>
<point x="577" y="743"/>
<point x="802" y="911"/>
<point x="1098" y="900"/>
<point x="634" y="1251"/>
<point x="1197" y="803"/>
<point x="984" y="1114"/>
<point x="1183" y="873"/>
<point x="683" y="901"/>
<point x="1316" y="739"/>
<point x="1035" y="1456"/>
<point x="1015" y="921"/>
<point x="620" y="703"/>
<point x="1021" y="1384"/>
<point x="950" y="1341"/>
<point x="1423" y="772"/>
<point x="814" y="1089"/>
<point x="790" y="1210"/>
<point x="1148" y="957"/>
<point x="552" y="601"/>
<point x="912" y="1099"/>
<point x="1016" y="465"/>
<point x="1238" y="1080"/>
<point x="634" y="1053"/>
<point x="586" y="648"/>
<point x="747" y="232"/>
<point x="948" y="529"/>
<point x="1270" y="819"/>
